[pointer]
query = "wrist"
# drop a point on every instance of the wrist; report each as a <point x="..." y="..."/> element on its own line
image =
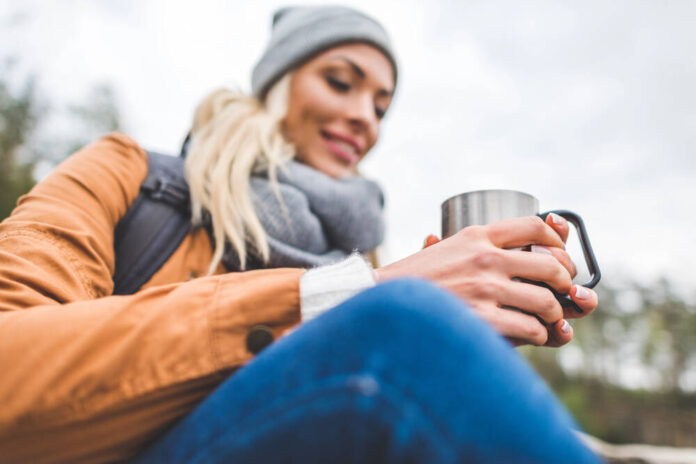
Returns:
<point x="375" y="275"/>
<point x="387" y="272"/>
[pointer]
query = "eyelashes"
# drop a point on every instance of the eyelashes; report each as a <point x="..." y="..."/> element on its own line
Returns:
<point x="344" y="87"/>
<point x="338" y="84"/>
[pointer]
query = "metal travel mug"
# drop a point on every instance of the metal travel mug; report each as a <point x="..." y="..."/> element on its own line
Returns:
<point x="486" y="206"/>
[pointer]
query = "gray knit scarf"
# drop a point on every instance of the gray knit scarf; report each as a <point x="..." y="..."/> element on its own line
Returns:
<point x="321" y="221"/>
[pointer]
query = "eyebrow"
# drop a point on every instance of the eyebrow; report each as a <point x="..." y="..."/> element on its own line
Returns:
<point x="359" y="71"/>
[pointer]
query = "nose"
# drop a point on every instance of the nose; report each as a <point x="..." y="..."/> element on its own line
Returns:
<point x="362" y="117"/>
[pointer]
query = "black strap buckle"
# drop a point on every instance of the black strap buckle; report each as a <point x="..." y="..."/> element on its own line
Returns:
<point x="164" y="190"/>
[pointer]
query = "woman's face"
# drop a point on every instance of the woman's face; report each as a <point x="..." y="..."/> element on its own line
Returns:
<point x="336" y="103"/>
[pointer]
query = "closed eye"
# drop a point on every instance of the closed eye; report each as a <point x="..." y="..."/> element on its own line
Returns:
<point x="338" y="84"/>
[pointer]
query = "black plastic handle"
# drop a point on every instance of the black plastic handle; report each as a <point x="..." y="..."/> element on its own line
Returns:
<point x="590" y="258"/>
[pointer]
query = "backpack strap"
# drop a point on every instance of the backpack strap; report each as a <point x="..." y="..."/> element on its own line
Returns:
<point x="154" y="226"/>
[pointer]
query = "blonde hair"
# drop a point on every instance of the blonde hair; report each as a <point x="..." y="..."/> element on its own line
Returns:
<point x="233" y="136"/>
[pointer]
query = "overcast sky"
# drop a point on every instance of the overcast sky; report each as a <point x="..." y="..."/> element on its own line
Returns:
<point x="589" y="106"/>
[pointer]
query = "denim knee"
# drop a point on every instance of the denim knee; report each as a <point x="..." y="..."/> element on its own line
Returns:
<point x="407" y="314"/>
<point x="408" y="294"/>
<point x="408" y="303"/>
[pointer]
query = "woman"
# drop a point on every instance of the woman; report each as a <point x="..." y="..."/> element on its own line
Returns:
<point x="402" y="372"/>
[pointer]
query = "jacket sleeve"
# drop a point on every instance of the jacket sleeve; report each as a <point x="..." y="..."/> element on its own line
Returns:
<point x="93" y="377"/>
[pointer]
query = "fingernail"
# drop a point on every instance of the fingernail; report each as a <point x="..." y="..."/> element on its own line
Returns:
<point x="557" y="219"/>
<point x="541" y="249"/>
<point x="565" y="328"/>
<point x="430" y="240"/>
<point x="581" y="292"/>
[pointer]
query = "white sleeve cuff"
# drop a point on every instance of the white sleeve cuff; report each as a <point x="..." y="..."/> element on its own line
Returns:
<point x="324" y="287"/>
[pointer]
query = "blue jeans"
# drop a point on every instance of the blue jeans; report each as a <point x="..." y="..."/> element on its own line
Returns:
<point x="403" y="372"/>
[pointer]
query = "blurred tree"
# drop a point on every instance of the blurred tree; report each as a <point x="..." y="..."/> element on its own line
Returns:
<point x="19" y="112"/>
<point x="30" y="144"/>
<point x="629" y="374"/>
<point x="670" y="341"/>
<point x="97" y="115"/>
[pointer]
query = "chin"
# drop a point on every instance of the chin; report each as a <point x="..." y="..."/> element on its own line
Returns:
<point x="326" y="164"/>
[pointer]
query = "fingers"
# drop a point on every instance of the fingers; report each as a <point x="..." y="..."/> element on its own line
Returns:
<point x="559" y="334"/>
<point x="536" y="317"/>
<point x="517" y="326"/>
<point x="430" y="240"/>
<point x="520" y="232"/>
<point x="585" y="298"/>
<point x="531" y="299"/>
<point x="539" y="267"/>
<point x="559" y="224"/>
<point x="560" y="255"/>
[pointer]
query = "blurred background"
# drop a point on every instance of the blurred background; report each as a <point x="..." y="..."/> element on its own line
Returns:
<point x="589" y="106"/>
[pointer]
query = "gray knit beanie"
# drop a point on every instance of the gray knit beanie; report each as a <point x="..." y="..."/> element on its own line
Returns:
<point x="299" y="33"/>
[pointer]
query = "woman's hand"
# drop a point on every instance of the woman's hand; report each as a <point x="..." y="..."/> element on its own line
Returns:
<point x="479" y="262"/>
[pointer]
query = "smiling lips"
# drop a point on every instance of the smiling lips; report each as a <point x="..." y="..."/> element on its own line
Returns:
<point x="343" y="147"/>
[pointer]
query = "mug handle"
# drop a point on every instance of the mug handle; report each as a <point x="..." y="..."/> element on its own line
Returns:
<point x="590" y="258"/>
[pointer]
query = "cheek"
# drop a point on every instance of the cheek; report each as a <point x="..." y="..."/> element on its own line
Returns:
<point x="316" y="103"/>
<point x="303" y="123"/>
<point x="302" y="129"/>
<point x="318" y="110"/>
<point x="310" y="107"/>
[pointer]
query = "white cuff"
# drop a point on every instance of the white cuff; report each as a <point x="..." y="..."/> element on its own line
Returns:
<point x="324" y="287"/>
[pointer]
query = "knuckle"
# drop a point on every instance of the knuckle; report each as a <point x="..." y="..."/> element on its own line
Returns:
<point x="570" y="267"/>
<point x="488" y="290"/>
<point x="566" y="285"/>
<point x="551" y="310"/>
<point x="537" y="223"/>
<point x="562" y="279"/>
<point x="536" y="220"/>
<point x="536" y="333"/>
<point x="469" y="290"/>
<point x="548" y="301"/>
<point x="564" y="256"/>
<point x="486" y="259"/>
<point x="550" y="262"/>
<point x="567" y="261"/>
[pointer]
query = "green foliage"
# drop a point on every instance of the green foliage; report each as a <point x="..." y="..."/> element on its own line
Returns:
<point x="655" y="334"/>
<point x="18" y="115"/>
<point x="97" y="115"/>
<point x="631" y="361"/>
<point x="25" y="140"/>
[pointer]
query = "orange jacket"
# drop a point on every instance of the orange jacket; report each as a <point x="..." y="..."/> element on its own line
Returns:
<point x="86" y="376"/>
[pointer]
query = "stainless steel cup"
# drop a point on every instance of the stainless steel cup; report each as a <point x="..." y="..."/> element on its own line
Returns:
<point x="483" y="207"/>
